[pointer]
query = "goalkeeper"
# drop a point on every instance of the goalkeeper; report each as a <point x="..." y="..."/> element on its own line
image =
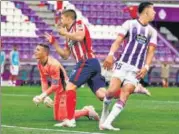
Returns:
<point x="50" y="68"/>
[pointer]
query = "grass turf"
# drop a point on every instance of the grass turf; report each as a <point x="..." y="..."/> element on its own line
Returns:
<point x="142" y="115"/>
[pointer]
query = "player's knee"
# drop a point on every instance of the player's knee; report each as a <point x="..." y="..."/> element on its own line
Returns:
<point x="101" y="94"/>
<point x="100" y="97"/>
<point x="71" y="86"/>
<point x="110" y="93"/>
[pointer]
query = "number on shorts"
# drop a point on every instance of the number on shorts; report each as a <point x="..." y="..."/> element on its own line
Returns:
<point x="118" y="66"/>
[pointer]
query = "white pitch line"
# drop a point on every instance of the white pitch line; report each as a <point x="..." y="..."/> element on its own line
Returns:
<point x="18" y="95"/>
<point x="153" y="101"/>
<point x="55" y="130"/>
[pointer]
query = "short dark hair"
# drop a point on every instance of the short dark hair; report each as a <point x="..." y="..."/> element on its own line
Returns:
<point x="143" y="5"/>
<point x="71" y="13"/>
<point x="46" y="47"/>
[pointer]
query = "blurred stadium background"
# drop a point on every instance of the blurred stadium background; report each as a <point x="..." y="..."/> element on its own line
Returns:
<point x="23" y="23"/>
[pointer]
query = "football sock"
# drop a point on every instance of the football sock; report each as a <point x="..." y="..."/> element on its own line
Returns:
<point x="117" y="108"/>
<point x="71" y="103"/>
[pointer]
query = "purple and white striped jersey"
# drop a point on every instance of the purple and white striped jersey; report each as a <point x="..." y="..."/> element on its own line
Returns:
<point x="139" y="38"/>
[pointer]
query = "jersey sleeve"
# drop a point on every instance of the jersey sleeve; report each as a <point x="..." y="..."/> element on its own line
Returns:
<point x="55" y="80"/>
<point x="43" y="79"/>
<point x="153" y="39"/>
<point x="80" y="26"/>
<point x="124" y="28"/>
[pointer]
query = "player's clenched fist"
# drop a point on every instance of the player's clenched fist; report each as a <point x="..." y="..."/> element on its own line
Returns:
<point x="108" y="63"/>
<point x="62" y="31"/>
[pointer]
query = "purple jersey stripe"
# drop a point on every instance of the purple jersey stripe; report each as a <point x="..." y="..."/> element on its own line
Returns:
<point x="138" y="49"/>
<point x="141" y="61"/>
<point x="131" y="45"/>
<point x="142" y="58"/>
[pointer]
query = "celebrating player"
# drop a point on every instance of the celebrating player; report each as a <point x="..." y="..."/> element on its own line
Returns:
<point x="87" y="69"/>
<point x="133" y="63"/>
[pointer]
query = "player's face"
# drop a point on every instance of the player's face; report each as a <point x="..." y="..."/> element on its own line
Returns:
<point x="64" y="20"/>
<point x="151" y="13"/>
<point x="39" y="52"/>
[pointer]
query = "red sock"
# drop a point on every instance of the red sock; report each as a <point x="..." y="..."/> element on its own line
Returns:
<point x="117" y="93"/>
<point x="80" y="113"/>
<point x="71" y="103"/>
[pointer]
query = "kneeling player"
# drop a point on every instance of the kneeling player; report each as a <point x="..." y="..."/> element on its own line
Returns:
<point x="50" y="67"/>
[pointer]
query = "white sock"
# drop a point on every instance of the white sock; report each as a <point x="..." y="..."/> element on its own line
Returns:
<point x="106" y="104"/>
<point x="117" y="108"/>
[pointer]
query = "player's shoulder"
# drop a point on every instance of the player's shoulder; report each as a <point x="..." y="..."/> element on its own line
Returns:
<point x="131" y="21"/>
<point x="52" y="61"/>
<point x="80" y="23"/>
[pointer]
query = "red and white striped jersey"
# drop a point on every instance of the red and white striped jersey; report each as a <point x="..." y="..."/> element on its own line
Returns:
<point x="81" y="50"/>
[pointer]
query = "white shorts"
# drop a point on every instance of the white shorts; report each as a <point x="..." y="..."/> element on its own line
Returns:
<point x="126" y="73"/>
<point x="14" y="69"/>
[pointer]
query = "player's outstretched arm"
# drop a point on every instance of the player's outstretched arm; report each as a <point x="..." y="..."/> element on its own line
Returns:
<point x="108" y="63"/>
<point x="150" y="55"/>
<point x="64" y="53"/>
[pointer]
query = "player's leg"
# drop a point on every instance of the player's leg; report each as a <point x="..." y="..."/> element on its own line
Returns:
<point x="88" y="111"/>
<point x="114" y="86"/>
<point x="79" y="76"/>
<point x="129" y="83"/>
<point x="141" y="90"/>
<point x="118" y="106"/>
<point x="163" y="82"/>
<point x="2" y="71"/>
<point x="16" y="72"/>
<point x="11" y="75"/>
<point x="166" y="82"/>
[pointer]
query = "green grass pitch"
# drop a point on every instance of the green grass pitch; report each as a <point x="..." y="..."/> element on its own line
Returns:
<point x="158" y="114"/>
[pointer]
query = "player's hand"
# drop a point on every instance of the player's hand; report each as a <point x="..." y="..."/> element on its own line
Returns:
<point x="141" y="73"/>
<point x="62" y="31"/>
<point x="108" y="62"/>
<point x="50" y="38"/>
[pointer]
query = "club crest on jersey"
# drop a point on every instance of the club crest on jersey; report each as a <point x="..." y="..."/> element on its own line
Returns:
<point x="71" y="43"/>
<point x="141" y="39"/>
<point x="80" y="27"/>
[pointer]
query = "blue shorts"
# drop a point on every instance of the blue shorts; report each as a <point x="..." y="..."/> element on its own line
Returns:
<point x="88" y="71"/>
